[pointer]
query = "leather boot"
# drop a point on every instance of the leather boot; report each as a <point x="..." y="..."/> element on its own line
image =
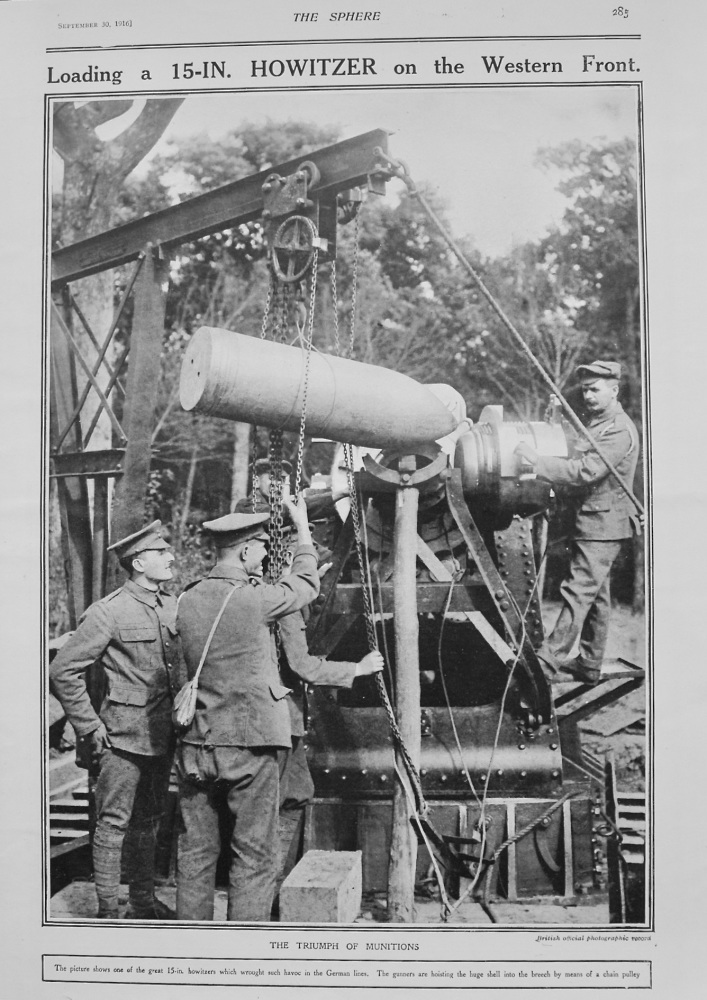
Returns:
<point x="153" y="909"/>
<point x="581" y="672"/>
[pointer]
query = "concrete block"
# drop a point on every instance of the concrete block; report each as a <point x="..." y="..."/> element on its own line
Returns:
<point x="325" y="887"/>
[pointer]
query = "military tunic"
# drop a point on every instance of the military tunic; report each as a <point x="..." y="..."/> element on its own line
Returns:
<point x="296" y="785"/>
<point x="605" y="516"/>
<point x="132" y="632"/>
<point x="604" y="512"/>
<point x="231" y="749"/>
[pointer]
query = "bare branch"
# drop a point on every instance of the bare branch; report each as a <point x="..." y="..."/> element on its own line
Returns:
<point x="138" y="139"/>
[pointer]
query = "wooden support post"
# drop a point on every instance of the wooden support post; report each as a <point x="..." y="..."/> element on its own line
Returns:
<point x="141" y="390"/>
<point x="71" y="490"/>
<point x="403" y="846"/>
<point x="100" y="537"/>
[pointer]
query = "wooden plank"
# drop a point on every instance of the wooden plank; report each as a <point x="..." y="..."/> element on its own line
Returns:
<point x="57" y="850"/>
<point x="101" y="462"/>
<point x="430" y="597"/>
<point x="438" y="570"/>
<point x="489" y="634"/>
<point x="100" y="538"/>
<point x="343" y="165"/>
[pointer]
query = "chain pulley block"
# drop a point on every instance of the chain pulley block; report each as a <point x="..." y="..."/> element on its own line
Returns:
<point x="348" y="205"/>
<point x="292" y="248"/>
<point x="287" y="201"/>
<point x="282" y="195"/>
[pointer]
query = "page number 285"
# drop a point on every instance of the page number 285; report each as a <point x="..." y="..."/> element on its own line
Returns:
<point x="620" y="12"/>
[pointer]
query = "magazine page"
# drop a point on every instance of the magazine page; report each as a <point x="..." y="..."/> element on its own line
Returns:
<point x="351" y="399"/>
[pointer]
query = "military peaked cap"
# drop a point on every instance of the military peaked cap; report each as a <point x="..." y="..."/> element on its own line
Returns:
<point x="149" y="537"/>
<point x="234" y="528"/>
<point x="263" y="465"/>
<point x="599" y="369"/>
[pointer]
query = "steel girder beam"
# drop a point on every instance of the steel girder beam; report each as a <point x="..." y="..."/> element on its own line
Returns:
<point x="343" y="165"/>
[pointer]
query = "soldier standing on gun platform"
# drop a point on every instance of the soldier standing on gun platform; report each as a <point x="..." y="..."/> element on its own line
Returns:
<point x="605" y="516"/>
<point x="133" y="633"/>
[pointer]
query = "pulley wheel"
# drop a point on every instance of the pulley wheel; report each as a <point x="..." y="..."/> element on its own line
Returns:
<point x="293" y="248"/>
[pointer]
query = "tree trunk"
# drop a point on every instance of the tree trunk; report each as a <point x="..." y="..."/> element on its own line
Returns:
<point x="241" y="457"/>
<point x="94" y="172"/>
<point x="186" y="503"/>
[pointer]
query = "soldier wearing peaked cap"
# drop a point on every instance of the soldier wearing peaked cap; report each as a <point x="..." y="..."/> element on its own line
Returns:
<point x="604" y="517"/>
<point x="132" y="633"/>
<point x="320" y="503"/>
<point x="229" y="753"/>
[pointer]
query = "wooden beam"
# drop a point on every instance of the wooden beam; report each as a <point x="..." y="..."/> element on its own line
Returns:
<point x="403" y="844"/>
<point x="100" y="537"/>
<point x="431" y="597"/>
<point x="341" y="166"/>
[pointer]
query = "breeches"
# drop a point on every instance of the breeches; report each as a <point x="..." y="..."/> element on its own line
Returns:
<point x="131" y="790"/>
<point x="130" y="795"/>
<point x="296" y="790"/>
<point x="246" y="780"/>
<point x="586" y="602"/>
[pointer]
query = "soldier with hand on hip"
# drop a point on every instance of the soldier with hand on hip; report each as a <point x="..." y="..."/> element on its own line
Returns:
<point x="132" y="633"/>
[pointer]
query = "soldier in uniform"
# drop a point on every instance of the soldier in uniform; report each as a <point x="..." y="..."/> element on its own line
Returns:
<point x="132" y="632"/>
<point x="605" y="516"/>
<point x="298" y="665"/>
<point x="320" y="503"/>
<point x="230" y="751"/>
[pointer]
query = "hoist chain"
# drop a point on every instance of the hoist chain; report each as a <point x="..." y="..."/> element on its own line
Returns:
<point x="266" y="312"/>
<point x="354" y="284"/>
<point x="335" y="305"/>
<point x="284" y="293"/>
<point x="254" y="441"/>
<point x="276" y="556"/>
<point x="307" y="362"/>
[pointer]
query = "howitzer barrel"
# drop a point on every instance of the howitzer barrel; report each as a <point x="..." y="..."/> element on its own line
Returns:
<point x="229" y="375"/>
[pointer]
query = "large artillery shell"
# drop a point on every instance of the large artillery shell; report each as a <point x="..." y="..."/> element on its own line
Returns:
<point x="229" y="375"/>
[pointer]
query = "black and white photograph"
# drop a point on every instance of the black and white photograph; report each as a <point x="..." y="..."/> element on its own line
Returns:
<point x="352" y="490"/>
<point x="347" y="575"/>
